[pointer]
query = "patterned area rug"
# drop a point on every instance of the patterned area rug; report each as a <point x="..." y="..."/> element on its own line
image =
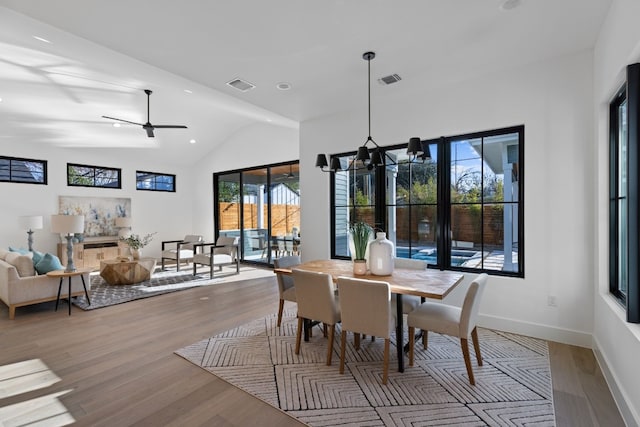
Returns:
<point x="103" y="294"/>
<point x="513" y="387"/>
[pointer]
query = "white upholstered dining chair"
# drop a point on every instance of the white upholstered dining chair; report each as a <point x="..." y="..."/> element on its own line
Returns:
<point x="285" y="282"/>
<point x="450" y="320"/>
<point x="365" y="307"/>
<point x="316" y="301"/>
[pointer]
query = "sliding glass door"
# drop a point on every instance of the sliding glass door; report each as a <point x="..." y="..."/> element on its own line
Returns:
<point x="262" y="206"/>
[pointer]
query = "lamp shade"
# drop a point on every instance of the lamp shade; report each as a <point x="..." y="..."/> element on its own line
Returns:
<point x="363" y="154"/>
<point x="321" y="161"/>
<point x="415" y="147"/>
<point x="67" y="224"/>
<point x="426" y="151"/>
<point x="123" y="221"/>
<point x="31" y="222"/>
<point x="335" y="164"/>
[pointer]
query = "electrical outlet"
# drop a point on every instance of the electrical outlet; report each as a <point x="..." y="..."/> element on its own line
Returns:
<point x="551" y="301"/>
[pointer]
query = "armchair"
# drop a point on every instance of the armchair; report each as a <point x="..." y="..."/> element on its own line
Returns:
<point x="179" y="250"/>
<point x="223" y="252"/>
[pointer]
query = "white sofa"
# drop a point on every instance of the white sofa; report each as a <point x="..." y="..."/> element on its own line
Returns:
<point x="26" y="288"/>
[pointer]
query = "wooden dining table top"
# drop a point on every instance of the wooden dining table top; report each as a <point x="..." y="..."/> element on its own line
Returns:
<point x="424" y="283"/>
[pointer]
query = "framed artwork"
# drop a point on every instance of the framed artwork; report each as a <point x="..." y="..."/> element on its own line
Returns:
<point x="99" y="213"/>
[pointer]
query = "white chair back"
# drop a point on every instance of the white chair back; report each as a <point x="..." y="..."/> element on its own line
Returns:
<point x="191" y="238"/>
<point x="316" y="297"/>
<point x="285" y="281"/>
<point x="365" y="306"/>
<point x="231" y="246"/>
<point x="471" y="305"/>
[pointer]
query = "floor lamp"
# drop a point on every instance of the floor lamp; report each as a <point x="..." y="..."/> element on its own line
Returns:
<point x="30" y="223"/>
<point x="68" y="225"/>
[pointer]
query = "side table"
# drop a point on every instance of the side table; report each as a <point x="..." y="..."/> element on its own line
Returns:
<point x="69" y="274"/>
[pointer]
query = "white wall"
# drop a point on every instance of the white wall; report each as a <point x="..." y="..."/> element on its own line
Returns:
<point x="151" y="211"/>
<point x="615" y="342"/>
<point x="553" y="100"/>
<point x="254" y="145"/>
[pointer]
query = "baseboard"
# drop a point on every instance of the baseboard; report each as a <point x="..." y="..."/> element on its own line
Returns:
<point x="536" y="330"/>
<point x="630" y="417"/>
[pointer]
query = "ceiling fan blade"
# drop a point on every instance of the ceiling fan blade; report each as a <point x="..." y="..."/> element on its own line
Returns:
<point x="170" y="126"/>
<point x="121" y="120"/>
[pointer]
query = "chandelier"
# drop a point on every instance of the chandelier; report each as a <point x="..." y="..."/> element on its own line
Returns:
<point x="365" y="158"/>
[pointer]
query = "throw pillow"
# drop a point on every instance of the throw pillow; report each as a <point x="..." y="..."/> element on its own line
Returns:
<point x="37" y="256"/>
<point x="21" y="251"/>
<point x="22" y="263"/>
<point x="49" y="262"/>
<point x="3" y="254"/>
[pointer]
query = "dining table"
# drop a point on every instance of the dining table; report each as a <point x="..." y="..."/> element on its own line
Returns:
<point x="428" y="283"/>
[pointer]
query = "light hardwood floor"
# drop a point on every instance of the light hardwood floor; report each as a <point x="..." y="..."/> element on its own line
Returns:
<point x="119" y="366"/>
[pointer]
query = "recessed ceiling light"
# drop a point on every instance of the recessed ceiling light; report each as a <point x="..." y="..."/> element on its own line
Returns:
<point x="41" y="39"/>
<point x="269" y="120"/>
<point x="283" y="86"/>
<point x="116" y="125"/>
<point x="192" y="141"/>
<point x="510" y="4"/>
<point x="188" y="91"/>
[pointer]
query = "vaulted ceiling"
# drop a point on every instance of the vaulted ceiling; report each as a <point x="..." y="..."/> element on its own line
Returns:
<point x="102" y="54"/>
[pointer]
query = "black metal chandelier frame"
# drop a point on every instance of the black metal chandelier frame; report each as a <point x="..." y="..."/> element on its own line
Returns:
<point x="369" y="158"/>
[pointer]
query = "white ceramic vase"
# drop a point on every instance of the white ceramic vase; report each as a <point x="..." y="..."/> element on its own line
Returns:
<point x="381" y="255"/>
<point x="136" y="253"/>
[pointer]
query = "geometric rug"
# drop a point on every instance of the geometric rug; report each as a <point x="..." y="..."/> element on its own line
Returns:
<point x="103" y="294"/>
<point x="513" y="387"/>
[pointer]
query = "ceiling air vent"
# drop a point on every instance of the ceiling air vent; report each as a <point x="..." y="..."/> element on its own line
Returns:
<point x="241" y="85"/>
<point x="387" y="80"/>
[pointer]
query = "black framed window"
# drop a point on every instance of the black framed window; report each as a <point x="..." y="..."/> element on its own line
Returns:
<point x="25" y="171"/>
<point x="461" y="209"/>
<point x="624" y="201"/>
<point x="153" y="181"/>
<point x="93" y="176"/>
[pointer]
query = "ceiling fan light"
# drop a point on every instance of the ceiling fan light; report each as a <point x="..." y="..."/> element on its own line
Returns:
<point x="415" y="147"/>
<point x="321" y="161"/>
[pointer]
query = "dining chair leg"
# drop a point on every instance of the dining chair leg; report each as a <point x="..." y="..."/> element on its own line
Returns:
<point x="385" y="373"/>
<point x="412" y="339"/>
<point x="356" y="341"/>
<point x="476" y="345"/>
<point x="464" y="343"/>
<point x="324" y="330"/>
<point x="280" y="309"/>
<point x="299" y="335"/>
<point x="343" y="344"/>
<point x="332" y="330"/>
<point x="425" y="338"/>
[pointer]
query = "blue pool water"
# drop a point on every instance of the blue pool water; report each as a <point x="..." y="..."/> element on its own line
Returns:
<point x="458" y="257"/>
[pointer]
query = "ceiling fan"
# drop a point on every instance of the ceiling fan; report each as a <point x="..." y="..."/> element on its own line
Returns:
<point x="148" y="126"/>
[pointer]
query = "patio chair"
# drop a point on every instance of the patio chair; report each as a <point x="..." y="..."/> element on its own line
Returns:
<point x="449" y="320"/>
<point x="365" y="307"/>
<point x="285" y="282"/>
<point x="179" y="250"/>
<point x="317" y="301"/>
<point x="224" y="252"/>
